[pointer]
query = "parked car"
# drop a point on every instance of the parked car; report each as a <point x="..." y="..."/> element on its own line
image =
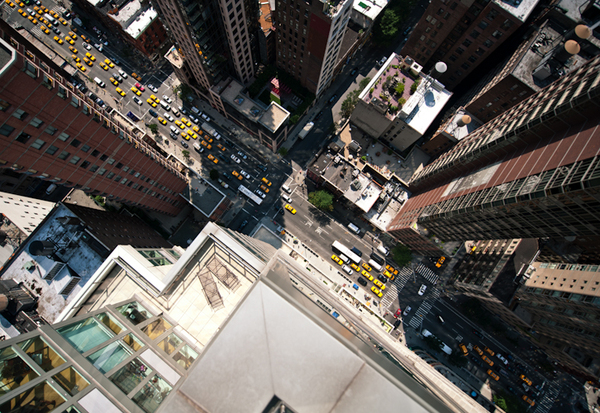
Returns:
<point x="422" y="289"/>
<point x="407" y="310"/>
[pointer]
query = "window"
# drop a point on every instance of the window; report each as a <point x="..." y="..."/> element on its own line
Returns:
<point x="497" y="34"/>
<point x="74" y="160"/>
<point x="94" y="168"/>
<point x="453" y="58"/>
<point x="103" y="157"/>
<point x="95" y="153"/>
<point x="110" y="175"/>
<point x="474" y="34"/>
<point x="488" y="43"/>
<point x="75" y="143"/>
<point x="482" y="25"/>
<point x="467" y="43"/>
<point x="479" y="51"/>
<point x="492" y="14"/>
<point x="84" y="164"/>
<point x="85" y="148"/>
<point x="63" y="137"/>
<point x="36" y="123"/>
<point x="30" y="69"/>
<point x="4" y="105"/>
<point x="460" y="51"/>
<point x="19" y="114"/>
<point x="118" y="178"/>
<point x="51" y="150"/>
<point x="74" y="101"/>
<point x="110" y="161"/>
<point x="23" y="137"/>
<point x="102" y="171"/>
<point x="38" y="144"/>
<point x="40" y="352"/>
<point x="63" y="155"/>
<point x="62" y="92"/>
<point x="506" y="25"/>
<point x="50" y="130"/>
<point x="472" y="59"/>
<point x="6" y="130"/>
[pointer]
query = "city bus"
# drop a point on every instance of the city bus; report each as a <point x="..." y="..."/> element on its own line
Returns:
<point x="339" y="248"/>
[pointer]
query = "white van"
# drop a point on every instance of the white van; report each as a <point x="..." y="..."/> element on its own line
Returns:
<point x="286" y="198"/>
<point x="175" y="111"/>
<point x="375" y="265"/>
<point x="51" y="19"/>
<point x="287" y="189"/>
<point x="354" y="228"/>
<point x="99" y="82"/>
<point x="198" y="148"/>
<point x="165" y="105"/>
<point x="174" y="130"/>
<point x="383" y="249"/>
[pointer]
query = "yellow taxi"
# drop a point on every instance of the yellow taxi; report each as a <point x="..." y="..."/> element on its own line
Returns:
<point x="90" y="56"/>
<point x="40" y="12"/>
<point x="487" y="360"/>
<point x="209" y="139"/>
<point x="478" y="350"/>
<point x="44" y="8"/>
<point x="72" y="49"/>
<point x="196" y="128"/>
<point x="45" y="29"/>
<point x="528" y="400"/>
<point x="376" y="291"/>
<point x="154" y="98"/>
<point x="69" y="40"/>
<point x="353" y="265"/>
<point x="73" y="35"/>
<point x="212" y="158"/>
<point x="87" y="61"/>
<point x="494" y="375"/>
<point x="75" y="58"/>
<point x="114" y="81"/>
<point x="221" y="147"/>
<point x="10" y="4"/>
<point x="367" y="266"/>
<point x="161" y="120"/>
<point x="133" y="88"/>
<point x="379" y="284"/>
<point x="80" y="67"/>
<point x="151" y="103"/>
<point x="440" y="262"/>
<point x="463" y="348"/>
<point x="43" y="20"/>
<point x="337" y="259"/>
<point x="58" y="40"/>
<point x="235" y="173"/>
<point x="525" y="379"/>
<point x="103" y="66"/>
<point x="207" y="146"/>
<point x="21" y="4"/>
<point x="391" y="269"/>
<point x="22" y="13"/>
<point x="489" y="351"/>
<point x="109" y="63"/>
<point x="54" y="14"/>
<point x="367" y="275"/>
<point x="136" y="76"/>
<point x="179" y="124"/>
<point x="63" y="21"/>
<point x="290" y="208"/>
<point x="266" y="181"/>
<point x="391" y="276"/>
<point x="186" y="122"/>
<point x="266" y="191"/>
<point x="121" y="92"/>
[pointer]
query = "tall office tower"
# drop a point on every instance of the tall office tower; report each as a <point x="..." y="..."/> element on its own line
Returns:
<point x="214" y="38"/>
<point x="464" y="33"/>
<point x="532" y="172"/>
<point x="309" y="36"/>
<point x="51" y="130"/>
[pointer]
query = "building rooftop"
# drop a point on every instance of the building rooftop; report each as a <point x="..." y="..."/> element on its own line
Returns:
<point x="521" y="9"/>
<point x="456" y="126"/>
<point x="369" y="8"/>
<point x="8" y="55"/>
<point x="231" y="91"/>
<point x="203" y="195"/>
<point x="265" y="19"/>
<point x="581" y="278"/>
<point x="26" y="213"/>
<point x="274" y="117"/>
<point x="141" y="22"/>
<point x="56" y="277"/>
<point x="174" y="57"/>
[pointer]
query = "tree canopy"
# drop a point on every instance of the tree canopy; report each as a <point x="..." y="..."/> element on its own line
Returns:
<point x="321" y="199"/>
<point x="401" y="254"/>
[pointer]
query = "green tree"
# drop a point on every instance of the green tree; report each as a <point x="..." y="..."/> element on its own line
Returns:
<point x="214" y="174"/>
<point x="457" y="359"/>
<point x="399" y="89"/>
<point x="500" y="402"/>
<point x="414" y="86"/>
<point x="364" y="83"/>
<point x="294" y="119"/>
<point x="153" y="128"/>
<point x="348" y="104"/>
<point x="186" y="154"/>
<point x="389" y="24"/>
<point x="283" y="151"/>
<point x="321" y="199"/>
<point x="401" y="254"/>
<point x="183" y="91"/>
<point x="433" y="343"/>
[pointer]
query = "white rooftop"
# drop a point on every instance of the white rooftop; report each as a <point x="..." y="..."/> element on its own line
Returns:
<point x="369" y="8"/>
<point x="137" y="27"/>
<point x="425" y="104"/>
<point x="26" y="213"/>
<point x="521" y="9"/>
<point x="459" y="130"/>
<point x="366" y="196"/>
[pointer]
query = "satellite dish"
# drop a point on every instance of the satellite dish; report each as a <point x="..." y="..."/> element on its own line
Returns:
<point x="582" y="31"/>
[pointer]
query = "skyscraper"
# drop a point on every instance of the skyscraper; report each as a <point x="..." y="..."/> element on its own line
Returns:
<point x="531" y="172"/>
<point x="309" y="36"/>
<point x="49" y="129"/>
<point x="464" y="33"/>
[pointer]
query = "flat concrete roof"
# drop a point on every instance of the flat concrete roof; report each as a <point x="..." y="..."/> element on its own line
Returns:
<point x="232" y="93"/>
<point x="8" y="55"/>
<point x="174" y="57"/>
<point x="141" y="23"/>
<point x="425" y="104"/>
<point x="369" y="8"/>
<point x="458" y="132"/>
<point x="274" y="117"/>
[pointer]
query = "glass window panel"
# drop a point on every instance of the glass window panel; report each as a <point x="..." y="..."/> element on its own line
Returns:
<point x="152" y="394"/>
<point x="109" y="357"/>
<point x="156" y="328"/>
<point x="41" y="353"/>
<point x="133" y="342"/>
<point x="135" y="312"/>
<point x="110" y="322"/>
<point x="170" y="343"/>
<point x="130" y="375"/>
<point x="14" y="372"/>
<point x="40" y="399"/>
<point x="71" y="380"/>
<point x="72" y="409"/>
<point x="85" y="335"/>
<point x="185" y="357"/>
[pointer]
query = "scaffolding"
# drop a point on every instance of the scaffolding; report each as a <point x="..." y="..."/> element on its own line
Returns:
<point x="223" y="273"/>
